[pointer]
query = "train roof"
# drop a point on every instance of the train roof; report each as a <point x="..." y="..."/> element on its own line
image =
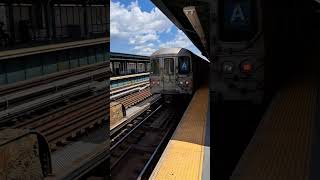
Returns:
<point x="128" y="57"/>
<point x="171" y="51"/>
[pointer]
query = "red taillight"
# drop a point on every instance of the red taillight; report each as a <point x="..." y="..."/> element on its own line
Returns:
<point x="246" y="67"/>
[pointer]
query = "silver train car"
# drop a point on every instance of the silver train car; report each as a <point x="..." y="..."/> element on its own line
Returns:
<point x="176" y="71"/>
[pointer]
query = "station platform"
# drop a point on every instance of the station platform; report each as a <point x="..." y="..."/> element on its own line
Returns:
<point x="79" y="157"/>
<point x="133" y="112"/>
<point x="187" y="155"/>
<point x="286" y="143"/>
<point x="120" y="82"/>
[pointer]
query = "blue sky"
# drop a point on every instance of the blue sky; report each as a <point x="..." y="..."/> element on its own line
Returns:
<point x="138" y="27"/>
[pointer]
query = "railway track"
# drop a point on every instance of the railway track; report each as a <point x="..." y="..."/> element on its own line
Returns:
<point x="136" y="148"/>
<point x="134" y="98"/>
<point x="20" y="95"/>
<point x="66" y="122"/>
<point x="70" y="104"/>
<point x="20" y="86"/>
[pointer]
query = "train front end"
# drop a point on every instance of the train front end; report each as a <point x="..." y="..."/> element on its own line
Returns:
<point x="171" y="73"/>
<point x="238" y="71"/>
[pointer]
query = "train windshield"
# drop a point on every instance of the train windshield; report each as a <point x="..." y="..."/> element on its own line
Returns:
<point x="169" y="66"/>
<point x="238" y="20"/>
<point x="184" y="65"/>
<point x="155" y="66"/>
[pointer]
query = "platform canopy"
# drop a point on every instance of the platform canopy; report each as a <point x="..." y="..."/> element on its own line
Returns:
<point x="176" y="11"/>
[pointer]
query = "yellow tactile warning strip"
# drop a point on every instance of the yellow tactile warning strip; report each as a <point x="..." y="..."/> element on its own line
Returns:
<point x="281" y="146"/>
<point x="183" y="156"/>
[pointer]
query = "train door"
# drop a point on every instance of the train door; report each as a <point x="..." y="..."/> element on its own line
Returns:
<point x="168" y="75"/>
<point x="116" y="68"/>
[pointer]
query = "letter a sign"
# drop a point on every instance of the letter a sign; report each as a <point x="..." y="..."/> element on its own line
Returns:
<point x="237" y="14"/>
<point x="184" y="66"/>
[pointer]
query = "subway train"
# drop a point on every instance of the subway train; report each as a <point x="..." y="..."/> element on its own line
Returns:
<point x="126" y="64"/>
<point x="126" y="68"/>
<point x="176" y="71"/>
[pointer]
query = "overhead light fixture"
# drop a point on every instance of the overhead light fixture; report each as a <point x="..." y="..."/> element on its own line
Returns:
<point x="191" y="13"/>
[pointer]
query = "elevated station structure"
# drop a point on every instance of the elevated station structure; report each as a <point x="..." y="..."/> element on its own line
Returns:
<point x="50" y="52"/>
<point x="43" y="37"/>
<point x="129" y="72"/>
<point x="261" y="53"/>
<point x="187" y="155"/>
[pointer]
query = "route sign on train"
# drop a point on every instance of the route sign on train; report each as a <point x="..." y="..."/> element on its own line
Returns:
<point x="237" y="20"/>
<point x="184" y="66"/>
<point x="237" y="15"/>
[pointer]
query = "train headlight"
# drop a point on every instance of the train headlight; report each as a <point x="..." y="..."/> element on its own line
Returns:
<point x="227" y="67"/>
<point x="181" y="82"/>
<point x="158" y="82"/>
<point x="187" y="82"/>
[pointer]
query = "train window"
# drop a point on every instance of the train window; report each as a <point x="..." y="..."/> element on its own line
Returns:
<point x="123" y="68"/>
<point x="116" y="70"/>
<point x="184" y="65"/>
<point x="155" y="66"/>
<point x="140" y="67"/>
<point x="168" y="65"/>
<point x="148" y="67"/>
<point x="131" y="68"/>
<point x="238" y="20"/>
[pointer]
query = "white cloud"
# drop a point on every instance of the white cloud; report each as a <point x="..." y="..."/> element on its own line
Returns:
<point x="180" y="40"/>
<point x="136" y="25"/>
<point x="145" y="49"/>
<point x="143" y="38"/>
<point x="142" y="29"/>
